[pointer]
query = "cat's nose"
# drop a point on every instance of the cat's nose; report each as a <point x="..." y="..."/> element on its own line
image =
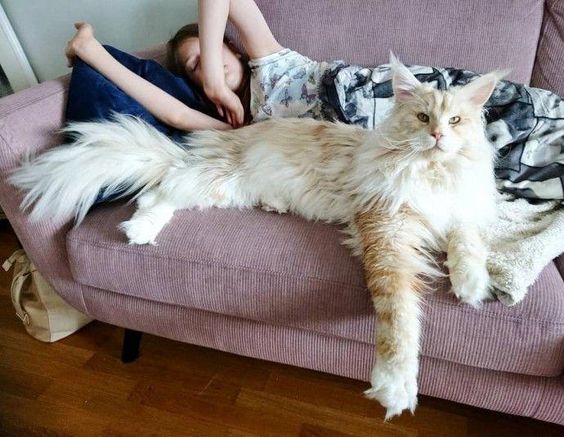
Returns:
<point x="437" y="135"/>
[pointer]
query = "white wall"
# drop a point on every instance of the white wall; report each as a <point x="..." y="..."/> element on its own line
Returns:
<point x="44" y="27"/>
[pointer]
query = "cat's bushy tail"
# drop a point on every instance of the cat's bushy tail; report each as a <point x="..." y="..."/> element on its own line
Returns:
<point x="123" y="155"/>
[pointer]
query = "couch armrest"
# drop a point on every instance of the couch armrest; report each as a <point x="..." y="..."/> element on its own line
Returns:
<point x="560" y="265"/>
<point x="547" y="71"/>
<point x="29" y="122"/>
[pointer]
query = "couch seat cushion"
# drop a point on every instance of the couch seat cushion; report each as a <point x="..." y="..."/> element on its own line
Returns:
<point x="285" y="271"/>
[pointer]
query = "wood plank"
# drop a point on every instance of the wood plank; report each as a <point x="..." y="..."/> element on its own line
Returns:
<point x="21" y="383"/>
<point x="319" y="431"/>
<point x="37" y="362"/>
<point x="38" y="417"/>
<point x="236" y="416"/>
<point x="428" y="422"/>
<point x="268" y="403"/>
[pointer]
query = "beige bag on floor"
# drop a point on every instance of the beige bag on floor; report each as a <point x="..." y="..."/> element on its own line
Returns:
<point x="45" y="315"/>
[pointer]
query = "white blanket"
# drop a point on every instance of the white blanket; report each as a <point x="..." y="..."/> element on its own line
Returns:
<point x="522" y="242"/>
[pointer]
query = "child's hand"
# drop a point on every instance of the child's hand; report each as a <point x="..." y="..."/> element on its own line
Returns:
<point x="228" y="105"/>
<point x="83" y="37"/>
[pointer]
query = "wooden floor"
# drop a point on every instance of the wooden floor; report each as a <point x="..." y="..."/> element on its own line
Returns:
<point x="79" y="387"/>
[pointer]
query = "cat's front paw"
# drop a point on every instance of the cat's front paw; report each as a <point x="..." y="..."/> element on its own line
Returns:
<point x="470" y="283"/>
<point x="140" y="231"/>
<point x="395" y="387"/>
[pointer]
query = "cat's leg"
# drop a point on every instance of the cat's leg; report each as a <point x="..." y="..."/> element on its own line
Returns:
<point x="201" y="188"/>
<point x="392" y="263"/>
<point x="154" y="211"/>
<point x="466" y="260"/>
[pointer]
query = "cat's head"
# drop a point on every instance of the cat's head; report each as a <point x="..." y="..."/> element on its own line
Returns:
<point x="438" y="123"/>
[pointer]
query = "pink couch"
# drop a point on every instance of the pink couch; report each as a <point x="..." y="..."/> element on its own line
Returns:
<point x="282" y="289"/>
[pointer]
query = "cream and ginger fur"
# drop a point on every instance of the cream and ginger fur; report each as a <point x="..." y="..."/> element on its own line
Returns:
<point x="420" y="183"/>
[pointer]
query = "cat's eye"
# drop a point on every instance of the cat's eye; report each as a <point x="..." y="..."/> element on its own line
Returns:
<point x="454" y="120"/>
<point x="423" y="117"/>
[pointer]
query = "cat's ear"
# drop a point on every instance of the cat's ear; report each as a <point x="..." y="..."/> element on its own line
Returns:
<point x="403" y="80"/>
<point x="479" y="90"/>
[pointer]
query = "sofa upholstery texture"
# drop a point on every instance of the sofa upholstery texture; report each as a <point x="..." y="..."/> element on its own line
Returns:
<point x="283" y="289"/>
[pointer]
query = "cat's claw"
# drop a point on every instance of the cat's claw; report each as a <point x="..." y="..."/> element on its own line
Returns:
<point x="394" y="388"/>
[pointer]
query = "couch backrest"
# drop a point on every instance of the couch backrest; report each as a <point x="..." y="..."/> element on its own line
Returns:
<point x="479" y="35"/>
<point x="549" y="66"/>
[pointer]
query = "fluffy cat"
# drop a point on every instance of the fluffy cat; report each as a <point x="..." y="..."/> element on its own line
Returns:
<point x="420" y="183"/>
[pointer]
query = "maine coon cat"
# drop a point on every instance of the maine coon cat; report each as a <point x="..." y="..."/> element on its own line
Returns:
<point x="422" y="182"/>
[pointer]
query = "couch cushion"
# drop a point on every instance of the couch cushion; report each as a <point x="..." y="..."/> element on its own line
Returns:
<point x="476" y="35"/>
<point x="286" y="271"/>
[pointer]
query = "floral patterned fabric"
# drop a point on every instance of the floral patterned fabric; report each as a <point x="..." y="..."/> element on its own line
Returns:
<point x="286" y="84"/>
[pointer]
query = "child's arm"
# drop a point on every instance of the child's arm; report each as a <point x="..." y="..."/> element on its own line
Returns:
<point x="255" y="36"/>
<point x="163" y="106"/>
<point x="253" y="29"/>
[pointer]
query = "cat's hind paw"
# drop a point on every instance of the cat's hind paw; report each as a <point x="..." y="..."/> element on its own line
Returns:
<point x="147" y="223"/>
<point x="139" y="231"/>
<point x="395" y="389"/>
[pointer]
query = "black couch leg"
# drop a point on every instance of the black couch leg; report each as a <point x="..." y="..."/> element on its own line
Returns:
<point x="130" y="349"/>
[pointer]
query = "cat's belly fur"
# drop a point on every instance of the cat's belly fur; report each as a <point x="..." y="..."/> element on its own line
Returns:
<point x="296" y="184"/>
<point x="294" y="165"/>
<point x="300" y="180"/>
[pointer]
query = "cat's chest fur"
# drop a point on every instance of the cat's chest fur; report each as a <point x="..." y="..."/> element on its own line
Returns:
<point x="444" y="194"/>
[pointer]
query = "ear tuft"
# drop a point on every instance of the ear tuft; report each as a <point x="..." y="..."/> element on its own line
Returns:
<point x="403" y="80"/>
<point x="501" y="74"/>
<point x="393" y="59"/>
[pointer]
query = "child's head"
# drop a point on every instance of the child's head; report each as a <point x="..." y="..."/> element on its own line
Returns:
<point x="183" y="57"/>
